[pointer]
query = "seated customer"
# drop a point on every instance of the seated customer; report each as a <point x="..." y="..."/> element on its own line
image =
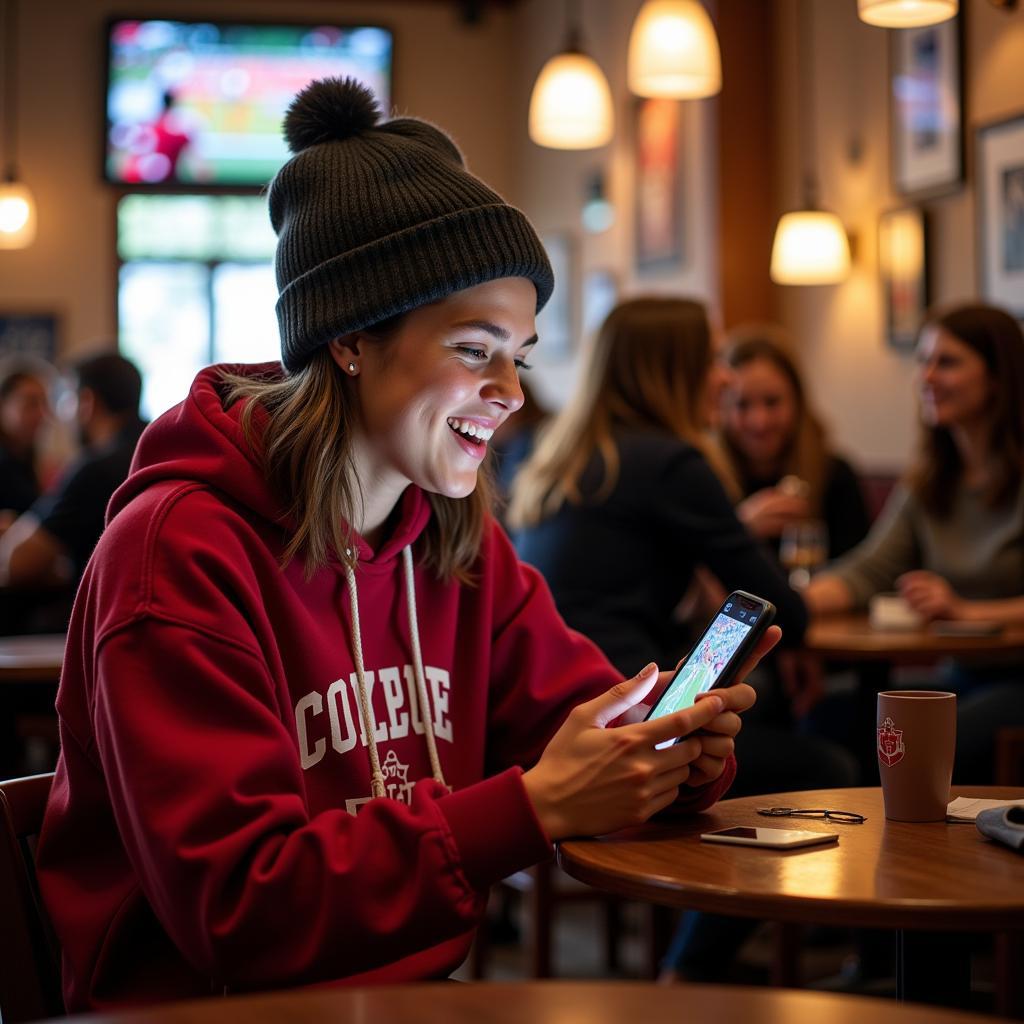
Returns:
<point x="313" y="707"/>
<point x="24" y="408"/>
<point x="773" y="439"/>
<point x="52" y="541"/>
<point x="951" y="537"/>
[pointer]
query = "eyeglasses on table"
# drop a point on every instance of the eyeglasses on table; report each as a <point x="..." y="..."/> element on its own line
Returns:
<point x="846" y="817"/>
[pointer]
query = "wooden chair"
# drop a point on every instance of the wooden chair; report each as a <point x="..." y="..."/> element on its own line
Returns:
<point x="29" y="961"/>
<point x="546" y="888"/>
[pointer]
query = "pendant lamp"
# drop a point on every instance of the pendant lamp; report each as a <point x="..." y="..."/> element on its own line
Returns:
<point x="811" y="246"/>
<point x="673" y="51"/>
<point x="17" y="207"/>
<point x="571" y="103"/>
<point x="906" y="13"/>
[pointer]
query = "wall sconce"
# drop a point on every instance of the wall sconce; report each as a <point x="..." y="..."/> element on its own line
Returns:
<point x="17" y="207"/>
<point x="906" y="13"/>
<point x="571" y="103"/>
<point x="673" y="51"/>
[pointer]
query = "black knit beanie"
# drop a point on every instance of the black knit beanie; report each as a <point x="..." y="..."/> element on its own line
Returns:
<point x="374" y="219"/>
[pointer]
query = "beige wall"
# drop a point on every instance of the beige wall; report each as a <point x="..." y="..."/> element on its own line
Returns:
<point x="551" y="182"/>
<point x="457" y="75"/>
<point x="864" y="387"/>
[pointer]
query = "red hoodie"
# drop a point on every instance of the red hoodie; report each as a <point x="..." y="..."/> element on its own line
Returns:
<point x="210" y="825"/>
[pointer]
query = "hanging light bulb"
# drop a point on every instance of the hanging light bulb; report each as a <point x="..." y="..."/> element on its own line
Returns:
<point x="673" y="51"/>
<point x="17" y="207"/>
<point x="571" y="104"/>
<point x="17" y="215"/>
<point x="810" y="247"/>
<point x="906" y="13"/>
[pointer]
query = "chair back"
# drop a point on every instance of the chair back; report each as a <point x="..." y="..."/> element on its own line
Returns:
<point x="29" y="959"/>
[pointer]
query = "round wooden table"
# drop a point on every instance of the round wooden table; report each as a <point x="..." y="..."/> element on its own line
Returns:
<point x="852" y="638"/>
<point x="552" y="1002"/>
<point x="881" y="874"/>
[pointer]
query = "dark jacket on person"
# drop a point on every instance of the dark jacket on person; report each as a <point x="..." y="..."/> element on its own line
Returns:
<point x="619" y="565"/>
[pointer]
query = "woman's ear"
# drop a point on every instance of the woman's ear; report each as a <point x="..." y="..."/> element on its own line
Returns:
<point x="345" y="351"/>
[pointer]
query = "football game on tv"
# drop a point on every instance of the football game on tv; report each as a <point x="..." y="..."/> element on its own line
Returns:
<point x="201" y="104"/>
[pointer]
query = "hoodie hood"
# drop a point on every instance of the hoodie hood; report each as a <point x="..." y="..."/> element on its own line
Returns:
<point x="199" y="440"/>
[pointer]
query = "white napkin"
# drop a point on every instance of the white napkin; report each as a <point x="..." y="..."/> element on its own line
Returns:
<point x="965" y="809"/>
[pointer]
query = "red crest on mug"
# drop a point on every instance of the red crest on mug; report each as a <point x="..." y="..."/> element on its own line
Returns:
<point x="890" y="743"/>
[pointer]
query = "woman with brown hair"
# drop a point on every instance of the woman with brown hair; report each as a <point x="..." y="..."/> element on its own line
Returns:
<point x="951" y="537"/>
<point x="778" y="449"/>
<point x="312" y="706"/>
<point x="623" y="500"/>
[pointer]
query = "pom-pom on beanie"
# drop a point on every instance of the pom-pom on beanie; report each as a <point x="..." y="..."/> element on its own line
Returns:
<point x="376" y="218"/>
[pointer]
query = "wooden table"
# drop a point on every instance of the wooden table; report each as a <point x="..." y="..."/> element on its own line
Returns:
<point x="552" y="1002"/>
<point x="914" y="878"/>
<point x="31" y="658"/>
<point x="852" y="638"/>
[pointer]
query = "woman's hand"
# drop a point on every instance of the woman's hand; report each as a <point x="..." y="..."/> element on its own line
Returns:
<point x="930" y="595"/>
<point x="596" y="776"/>
<point x="767" y="512"/>
<point x="593" y="778"/>
<point x="718" y="737"/>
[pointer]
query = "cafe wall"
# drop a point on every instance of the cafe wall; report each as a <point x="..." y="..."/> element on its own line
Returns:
<point x="864" y="385"/>
<point x="446" y="71"/>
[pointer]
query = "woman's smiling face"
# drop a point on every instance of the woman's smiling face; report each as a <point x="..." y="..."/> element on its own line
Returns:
<point x="431" y="395"/>
<point x="954" y="385"/>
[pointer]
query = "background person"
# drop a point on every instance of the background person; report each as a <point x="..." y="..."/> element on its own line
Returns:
<point x="313" y="707"/>
<point x="24" y="409"/>
<point x="771" y="435"/>
<point x="52" y="541"/>
<point x="951" y="537"/>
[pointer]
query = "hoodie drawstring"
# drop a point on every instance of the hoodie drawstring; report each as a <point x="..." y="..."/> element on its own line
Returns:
<point x="426" y="710"/>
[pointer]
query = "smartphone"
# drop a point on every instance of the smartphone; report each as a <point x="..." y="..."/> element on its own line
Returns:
<point x="775" y="838"/>
<point x="718" y="655"/>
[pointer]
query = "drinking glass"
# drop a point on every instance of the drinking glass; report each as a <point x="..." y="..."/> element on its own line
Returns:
<point x="803" y="548"/>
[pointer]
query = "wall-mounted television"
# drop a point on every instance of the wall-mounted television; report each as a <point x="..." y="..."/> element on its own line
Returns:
<point x="199" y="104"/>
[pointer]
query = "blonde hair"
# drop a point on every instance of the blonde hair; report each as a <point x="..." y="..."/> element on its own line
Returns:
<point x="304" y="444"/>
<point x="647" y="367"/>
<point x="806" y="452"/>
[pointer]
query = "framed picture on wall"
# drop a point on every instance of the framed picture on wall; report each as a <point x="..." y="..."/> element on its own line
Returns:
<point x="926" y="108"/>
<point x="1000" y="213"/>
<point x="658" y="185"/>
<point x="903" y="267"/>
<point x="29" y="333"/>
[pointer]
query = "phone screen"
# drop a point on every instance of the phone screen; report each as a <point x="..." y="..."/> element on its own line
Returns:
<point x="707" y="660"/>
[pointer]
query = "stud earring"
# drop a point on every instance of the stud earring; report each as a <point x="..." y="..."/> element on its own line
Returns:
<point x="351" y="367"/>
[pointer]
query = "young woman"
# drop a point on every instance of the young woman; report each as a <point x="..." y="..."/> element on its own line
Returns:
<point x="305" y="670"/>
<point x="24" y="408"/>
<point x="951" y="538"/>
<point x="772" y="437"/>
